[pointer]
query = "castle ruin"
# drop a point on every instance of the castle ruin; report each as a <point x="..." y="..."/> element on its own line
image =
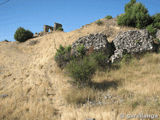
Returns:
<point x="47" y="29"/>
<point x="56" y="26"/>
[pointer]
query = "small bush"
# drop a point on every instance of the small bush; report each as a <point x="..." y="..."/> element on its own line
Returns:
<point x="101" y="59"/>
<point x="151" y="30"/>
<point x="156" y="45"/>
<point x="60" y="29"/>
<point x="81" y="51"/>
<point x="99" y="22"/>
<point x="22" y="35"/>
<point x="108" y="17"/>
<point x="63" y="56"/>
<point x="82" y="70"/>
<point x="6" y="40"/>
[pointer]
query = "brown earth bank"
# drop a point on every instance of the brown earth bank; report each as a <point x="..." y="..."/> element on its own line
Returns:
<point x="32" y="87"/>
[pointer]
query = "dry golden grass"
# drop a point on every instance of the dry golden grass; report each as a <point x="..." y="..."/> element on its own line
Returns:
<point x="136" y="83"/>
<point x="38" y="90"/>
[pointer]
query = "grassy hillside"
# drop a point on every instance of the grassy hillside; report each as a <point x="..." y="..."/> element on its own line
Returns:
<point x="36" y="88"/>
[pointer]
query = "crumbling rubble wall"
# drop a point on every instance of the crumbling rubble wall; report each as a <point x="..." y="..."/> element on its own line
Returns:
<point x="47" y="29"/>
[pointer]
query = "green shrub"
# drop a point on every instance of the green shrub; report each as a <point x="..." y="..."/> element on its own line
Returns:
<point x="22" y="35"/>
<point x="99" y="22"/>
<point x="156" y="20"/>
<point x="151" y="30"/>
<point x="156" y="45"/>
<point x="81" y="51"/>
<point x="108" y="17"/>
<point x="60" y="29"/>
<point x="122" y="20"/>
<point x="129" y="5"/>
<point x="6" y="40"/>
<point x="63" y="56"/>
<point x="101" y="59"/>
<point x="136" y="15"/>
<point x="82" y="70"/>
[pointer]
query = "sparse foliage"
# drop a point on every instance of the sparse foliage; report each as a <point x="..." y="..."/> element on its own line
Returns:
<point x="81" y="51"/>
<point x="99" y="22"/>
<point x="82" y="70"/>
<point x="152" y="30"/>
<point x="63" y="56"/>
<point x="108" y="17"/>
<point x="60" y="29"/>
<point x="101" y="59"/>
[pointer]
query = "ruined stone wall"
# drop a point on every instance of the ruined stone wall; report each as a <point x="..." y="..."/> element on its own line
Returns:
<point x="93" y="42"/>
<point x="56" y="26"/>
<point x="131" y="42"/>
<point x="47" y="28"/>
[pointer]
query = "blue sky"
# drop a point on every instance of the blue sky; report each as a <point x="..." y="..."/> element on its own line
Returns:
<point x="33" y="14"/>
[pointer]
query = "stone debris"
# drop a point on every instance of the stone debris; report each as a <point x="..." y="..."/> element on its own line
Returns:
<point x="3" y="96"/>
<point x="131" y="42"/>
<point x="107" y="96"/>
<point x="96" y="42"/>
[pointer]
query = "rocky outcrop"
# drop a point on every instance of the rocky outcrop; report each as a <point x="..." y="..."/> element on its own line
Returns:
<point x="132" y="41"/>
<point x="93" y="42"/>
<point x="158" y="34"/>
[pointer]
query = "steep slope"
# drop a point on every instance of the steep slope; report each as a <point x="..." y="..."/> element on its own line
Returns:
<point x="30" y="77"/>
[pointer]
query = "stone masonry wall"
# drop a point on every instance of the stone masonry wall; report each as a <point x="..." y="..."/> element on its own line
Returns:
<point x="132" y="41"/>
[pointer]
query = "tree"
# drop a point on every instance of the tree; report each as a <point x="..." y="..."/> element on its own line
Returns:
<point x="129" y="5"/>
<point x="156" y="20"/>
<point x="22" y="35"/>
<point x="136" y="15"/>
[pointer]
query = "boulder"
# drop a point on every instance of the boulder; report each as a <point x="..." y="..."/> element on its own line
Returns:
<point x="131" y="42"/>
<point x="93" y="42"/>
